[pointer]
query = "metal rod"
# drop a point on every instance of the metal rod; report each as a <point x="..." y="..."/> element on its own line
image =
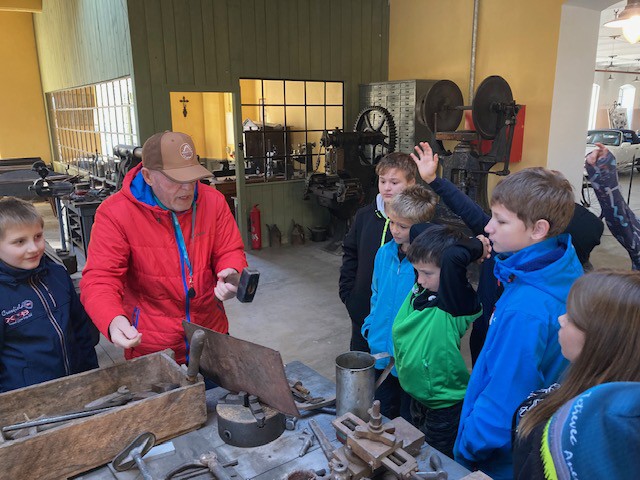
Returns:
<point x="474" y="39"/>
<point x="56" y="419"/>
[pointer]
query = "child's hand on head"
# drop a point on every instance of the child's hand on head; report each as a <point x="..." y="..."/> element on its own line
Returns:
<point x="426" y="161"/>
<point x="486" y="245"/>
<point x="599" y="152"/>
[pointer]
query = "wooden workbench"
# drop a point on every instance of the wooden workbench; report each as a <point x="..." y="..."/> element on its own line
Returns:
<point x="268" y="462"/>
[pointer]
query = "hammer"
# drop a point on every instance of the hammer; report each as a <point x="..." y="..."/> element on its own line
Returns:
<point x="132" y="455"/>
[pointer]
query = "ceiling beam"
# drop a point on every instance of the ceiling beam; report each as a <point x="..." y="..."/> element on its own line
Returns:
<point x="32" y="6"/>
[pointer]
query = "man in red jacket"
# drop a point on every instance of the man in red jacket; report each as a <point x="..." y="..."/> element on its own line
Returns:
<point x="163" y="249"/>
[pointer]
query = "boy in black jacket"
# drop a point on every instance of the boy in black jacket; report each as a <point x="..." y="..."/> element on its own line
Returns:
<point x="45" y="331"/>
<point x="368" y="232"/>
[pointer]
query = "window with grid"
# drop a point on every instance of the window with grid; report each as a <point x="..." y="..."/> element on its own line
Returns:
<point x="283" y="122"/>
<point x="87" y="122"/>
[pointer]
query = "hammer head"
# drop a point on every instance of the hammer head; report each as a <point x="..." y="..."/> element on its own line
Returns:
<point x="139" y="447"/>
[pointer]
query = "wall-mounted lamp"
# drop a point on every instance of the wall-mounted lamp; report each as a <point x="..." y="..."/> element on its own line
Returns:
<point x="628" y="20"/>
<point x="184" y="102"/>
<point x="610" y="77"/>
<point x="636" y="79"/>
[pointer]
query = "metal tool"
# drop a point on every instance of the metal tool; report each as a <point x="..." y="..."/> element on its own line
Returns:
<point x="324" y="442"/>
<point x="241" y="366"/>
<point x="214" y="466"/>
<point x="205" y="463"/>
<point x="244" y="422"/>
<point x="132" y="455"/>
<point x="121" y="396"/>
<point x="375" y="445"/>
<point x="195" y="352"/>
<point x="55" y="419"/>
<point x="438" y="472"/>
<point x="307" y="441"/>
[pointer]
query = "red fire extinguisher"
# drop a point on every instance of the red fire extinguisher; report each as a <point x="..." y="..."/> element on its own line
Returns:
<point x="256" y="229"/>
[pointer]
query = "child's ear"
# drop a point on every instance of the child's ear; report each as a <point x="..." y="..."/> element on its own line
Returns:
<point x="540" y="229"/>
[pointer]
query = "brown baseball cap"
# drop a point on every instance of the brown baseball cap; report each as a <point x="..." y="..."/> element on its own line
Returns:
<point x="173" y="154"/>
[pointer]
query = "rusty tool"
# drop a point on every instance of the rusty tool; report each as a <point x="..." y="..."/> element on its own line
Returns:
<point x="195" y="352"/>
<point x="132" y="455"/>
<point x="121" y="396"/>
<point x="306" y="444"/>
<point x="202" y="465"/>
<point x="55" y="419"/>
<point x="324" y="442"/>
<point x="438" y="472"/>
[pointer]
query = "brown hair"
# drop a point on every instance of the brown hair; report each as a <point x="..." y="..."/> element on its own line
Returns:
<point x="399" y="160"/>
<point x="537" y="194"/>
<point x="14" y="211"/>
<point x="417" y="203"/>
<point x="605" y="305"/>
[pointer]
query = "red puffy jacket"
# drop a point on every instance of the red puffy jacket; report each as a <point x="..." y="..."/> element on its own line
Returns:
<point x="134" y="265"/>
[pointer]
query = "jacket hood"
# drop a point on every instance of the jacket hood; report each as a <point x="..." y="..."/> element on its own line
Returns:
<point x="12" y="276"/>
<point x="137" y="190"/>
<point x="549" y="266"/>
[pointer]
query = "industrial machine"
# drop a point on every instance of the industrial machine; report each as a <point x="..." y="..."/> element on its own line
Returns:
<point x="493" y="113"/>
<point x="349" y="179"/>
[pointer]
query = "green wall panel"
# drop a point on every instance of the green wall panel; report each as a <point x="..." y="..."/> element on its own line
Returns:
<point x="81" y="42"/>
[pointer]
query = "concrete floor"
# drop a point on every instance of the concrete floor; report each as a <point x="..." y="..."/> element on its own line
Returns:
<point x="296" y="309"/>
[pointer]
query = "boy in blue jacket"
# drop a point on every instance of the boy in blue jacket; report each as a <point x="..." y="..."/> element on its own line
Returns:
<point x="369" y="231"/>
<point x="393" y="278"/>
<point x="45" y="332"/>
<point x="537" y="265"/>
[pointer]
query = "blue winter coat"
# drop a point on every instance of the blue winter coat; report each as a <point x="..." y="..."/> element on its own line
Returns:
<point x="45" y="331"/>
<point x="392" y="281"/>
<point x="521" y="353"/>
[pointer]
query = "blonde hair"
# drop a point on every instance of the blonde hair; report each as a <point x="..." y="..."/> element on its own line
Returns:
<point x="537" y="194"/>
<point x="605" y="305"/>
<point x="14" y="212"/>
<point x="416" y="203"/>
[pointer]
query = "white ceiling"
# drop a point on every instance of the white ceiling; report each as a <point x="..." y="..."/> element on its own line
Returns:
<point x="627" y="56"/>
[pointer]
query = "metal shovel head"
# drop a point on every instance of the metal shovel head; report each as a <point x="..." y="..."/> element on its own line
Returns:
<point x="141" y="445"/>
<point x="241" y="366"/>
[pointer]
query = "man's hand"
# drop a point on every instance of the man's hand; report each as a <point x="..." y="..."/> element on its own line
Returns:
<point x="426" y="161"/>
<point x="227" y="285"/>
<point x="123" y="334"/>
<point x="486" y="245"/>
<point x="600" y="152"/>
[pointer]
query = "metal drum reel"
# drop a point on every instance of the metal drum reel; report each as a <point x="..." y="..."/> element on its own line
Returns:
<point x="493" y="112"/>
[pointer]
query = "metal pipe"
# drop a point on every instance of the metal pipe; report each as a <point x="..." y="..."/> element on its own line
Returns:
<point x="474" y="38"/>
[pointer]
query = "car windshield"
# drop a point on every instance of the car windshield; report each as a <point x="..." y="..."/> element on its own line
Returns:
<point x="606" y="138"/>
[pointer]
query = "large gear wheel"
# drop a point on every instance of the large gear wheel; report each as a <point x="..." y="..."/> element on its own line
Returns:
<point x="377" y="120"/>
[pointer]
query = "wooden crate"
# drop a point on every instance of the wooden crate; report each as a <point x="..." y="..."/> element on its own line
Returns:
<point x="79" y="445"/>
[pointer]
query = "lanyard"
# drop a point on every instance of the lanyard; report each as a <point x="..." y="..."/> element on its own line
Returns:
<point x="182" y="250"/>
<point x="384" y="232"/>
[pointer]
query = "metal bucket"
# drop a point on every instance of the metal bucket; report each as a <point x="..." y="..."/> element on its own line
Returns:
<point x="356" y="382"/>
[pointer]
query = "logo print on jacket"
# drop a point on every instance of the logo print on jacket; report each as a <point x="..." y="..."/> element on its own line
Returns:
<point x="17" y="314"/>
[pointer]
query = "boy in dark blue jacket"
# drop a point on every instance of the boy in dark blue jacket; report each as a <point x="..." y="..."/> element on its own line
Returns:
<point x="45" y="332"/>
<point x="368" y="232"/>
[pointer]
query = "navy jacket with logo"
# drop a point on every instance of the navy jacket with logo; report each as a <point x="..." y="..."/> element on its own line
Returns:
<point x="45" y="330"/>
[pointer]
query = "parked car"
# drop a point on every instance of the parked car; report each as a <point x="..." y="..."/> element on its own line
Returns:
<point x="624" y="144"/>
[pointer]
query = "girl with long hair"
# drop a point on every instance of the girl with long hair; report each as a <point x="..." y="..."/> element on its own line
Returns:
<point x="600" y="336"/>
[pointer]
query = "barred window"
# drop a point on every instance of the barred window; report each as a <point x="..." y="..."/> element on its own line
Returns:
<point x="283" y="122"/>
<point x="87" y="122"/>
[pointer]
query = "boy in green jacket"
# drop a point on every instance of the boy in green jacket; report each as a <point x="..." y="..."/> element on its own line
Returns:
<point x="428" y="328"/>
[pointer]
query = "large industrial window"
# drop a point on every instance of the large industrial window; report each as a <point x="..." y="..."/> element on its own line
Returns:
<point x="87" y="122"/>
<point x="283" y="121"/>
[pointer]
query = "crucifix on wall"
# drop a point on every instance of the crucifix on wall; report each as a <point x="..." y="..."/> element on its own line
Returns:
<point x="184" y="102"/>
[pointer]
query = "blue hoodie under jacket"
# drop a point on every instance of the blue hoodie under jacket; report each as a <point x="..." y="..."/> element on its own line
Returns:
<point x="45" y="330"/>
<point x="521" y="353"/>
<point x="392" y="281"/>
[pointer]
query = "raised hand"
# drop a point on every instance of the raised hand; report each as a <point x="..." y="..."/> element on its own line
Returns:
<point x="426" y="161"/>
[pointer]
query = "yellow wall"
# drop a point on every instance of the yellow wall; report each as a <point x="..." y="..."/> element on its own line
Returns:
<point x="206" y="121"/>
<point x="23" y="127"/>
<point x="517" y="40"/>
